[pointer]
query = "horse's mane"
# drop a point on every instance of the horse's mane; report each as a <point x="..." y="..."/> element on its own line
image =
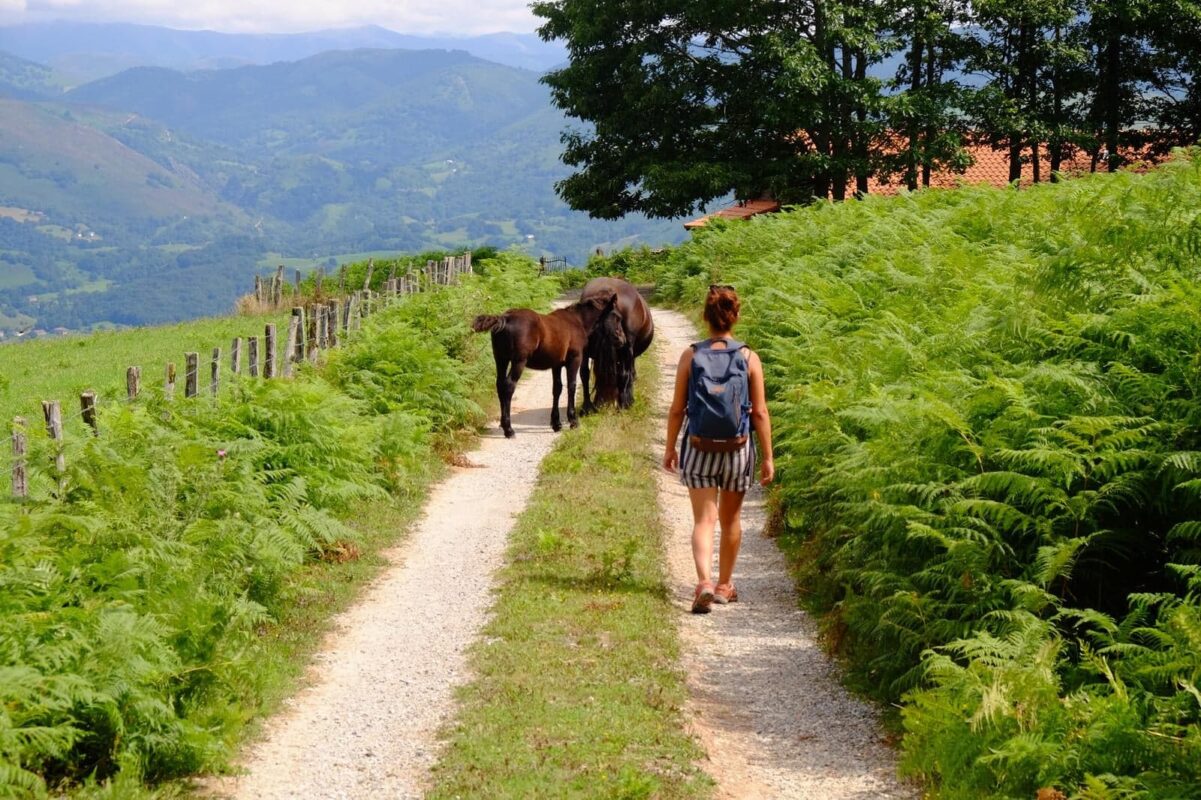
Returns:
<point x="494" y="323"/>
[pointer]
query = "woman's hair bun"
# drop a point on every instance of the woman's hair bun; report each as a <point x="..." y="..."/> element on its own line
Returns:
<point x="722" y="307"/>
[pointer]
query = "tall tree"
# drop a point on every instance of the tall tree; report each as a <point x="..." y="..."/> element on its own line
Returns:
<point x="685" y="102"/>
<point x="1121" y="59"/>
<point x="925" y="108"/>
<point x="1174" y="67"/>
<point x="1026" y="49"/>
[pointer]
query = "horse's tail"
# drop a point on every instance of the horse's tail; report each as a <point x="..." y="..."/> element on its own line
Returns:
<point x="489" y="322"/>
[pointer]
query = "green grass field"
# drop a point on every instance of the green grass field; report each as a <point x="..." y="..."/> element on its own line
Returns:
<point x="61" y="368"/>
<point x="578" y="690"/>
<point x="271" y="260"/>
<point x="13" y="275"/>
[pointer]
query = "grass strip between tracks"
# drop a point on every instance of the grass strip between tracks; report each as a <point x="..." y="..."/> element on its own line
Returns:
<point x="577" y="690"/>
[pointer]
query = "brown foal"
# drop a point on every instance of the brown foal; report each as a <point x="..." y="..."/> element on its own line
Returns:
<point x="524" y="338"/>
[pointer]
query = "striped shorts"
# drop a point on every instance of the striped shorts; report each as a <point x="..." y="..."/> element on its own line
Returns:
<point x="730" y="472"/>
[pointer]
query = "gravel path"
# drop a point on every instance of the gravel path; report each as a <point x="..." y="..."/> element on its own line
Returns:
<point x="382" y="685"/>
<point x="765" y="701"/>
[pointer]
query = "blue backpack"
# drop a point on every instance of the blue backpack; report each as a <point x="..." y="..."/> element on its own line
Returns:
<point x="719" y="397"/>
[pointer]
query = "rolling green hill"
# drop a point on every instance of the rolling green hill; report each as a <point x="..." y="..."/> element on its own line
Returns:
<point x="27" y="80"/>
<point x="61" y="166"/>
<point x="89" y="51"/>
<point x="155" y="179"/>
<point x="381" y="106"/>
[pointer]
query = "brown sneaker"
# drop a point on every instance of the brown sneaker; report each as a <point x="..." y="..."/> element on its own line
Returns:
<point x="703" y="598"/>
<point x="725" y="593"/>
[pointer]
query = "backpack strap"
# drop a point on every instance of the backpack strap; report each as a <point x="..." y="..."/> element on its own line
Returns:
<point x="732" y="345"/>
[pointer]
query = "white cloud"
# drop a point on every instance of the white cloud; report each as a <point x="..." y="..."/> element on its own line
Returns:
<point x="465" y="17"/>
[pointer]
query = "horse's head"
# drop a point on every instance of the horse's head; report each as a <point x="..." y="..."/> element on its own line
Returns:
<point x="594" y="308"/>
<point x="611" y="329"/>
<point x="610" y="351"/>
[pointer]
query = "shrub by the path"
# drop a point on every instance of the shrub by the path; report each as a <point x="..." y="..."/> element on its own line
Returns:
<point x="989" y="435"/>
<point x="133" y="607"/>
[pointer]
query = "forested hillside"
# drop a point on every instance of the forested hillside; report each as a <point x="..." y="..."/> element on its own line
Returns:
<point x="154" y="195"/>
<point x="987" y="405"/>
<point x="86" y="51"/>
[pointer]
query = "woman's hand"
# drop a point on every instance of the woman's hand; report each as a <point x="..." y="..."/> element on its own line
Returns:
<point x="670" y="459"/>
<point x="767" y="471"/>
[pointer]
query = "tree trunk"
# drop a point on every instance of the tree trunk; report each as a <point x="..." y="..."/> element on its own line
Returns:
<point x="915" y="85"/>
<point x="844" y="138"/>
<point x="933" y="78"/>
<point x="1015" y="158"/>
<point x="822" y="131"/>
<point x="861" y="142"/>
<point x="1111" y="91"/>
<point x="1055" y="145"/>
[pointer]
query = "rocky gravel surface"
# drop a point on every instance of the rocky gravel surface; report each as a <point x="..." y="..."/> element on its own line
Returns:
<point x="765" y="701"/>
<point x="382" y="685"/>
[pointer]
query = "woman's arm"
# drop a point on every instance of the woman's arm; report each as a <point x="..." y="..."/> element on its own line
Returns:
<point x="679" y="406"/>
<point x="761" y="419"/>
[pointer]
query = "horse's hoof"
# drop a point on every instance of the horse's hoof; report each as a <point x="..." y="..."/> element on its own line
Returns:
<point x="509" y="434"/>
<point x="556" y="427"/>
<point x="575" y="423"/>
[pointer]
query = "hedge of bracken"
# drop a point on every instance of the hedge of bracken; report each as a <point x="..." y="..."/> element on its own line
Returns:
<point x="989" y="435"/>
<point x="132" y="604"/>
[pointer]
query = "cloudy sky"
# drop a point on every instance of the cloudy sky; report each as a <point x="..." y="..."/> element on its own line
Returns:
<point x="281" y="16"/>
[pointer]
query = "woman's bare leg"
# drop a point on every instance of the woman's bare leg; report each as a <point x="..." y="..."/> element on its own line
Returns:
<point x="704" y="521"/>
<point x="729" y="511"/>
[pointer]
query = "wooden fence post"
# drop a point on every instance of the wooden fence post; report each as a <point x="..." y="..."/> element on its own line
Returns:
<point x="316" y="343"/>
<point x="320" y="279"/>
<point x="191" y="374"/>
<point x="258" y="290"/>
<point x="342" y="279"/>
<point x="53" y="414"/>
<point x="235" y="355"/>
<point x="87" y="408"/>
<point x="346" y="303"/>
<point x="215" y="372"/>
<point x="332" y="323"/>
<point x="133" y="383"/>
<point x="370" y="269"/>
<point x="470" y="269"/>
<point x="319" y="311"/>
<point x="169" y="384"/>
<point x="299" y="345"/>
<point x="252" y="356"/>
<point x="277" y="285"/>
<point x="298" y="282"/>
<point x="291" y="345"/>
<point x="269" y="351"/>
<point x="20" y="483"/>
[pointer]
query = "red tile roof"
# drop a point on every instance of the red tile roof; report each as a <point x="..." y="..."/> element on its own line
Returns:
<point x="989" y="166"/>
<point x="740" y="210"/>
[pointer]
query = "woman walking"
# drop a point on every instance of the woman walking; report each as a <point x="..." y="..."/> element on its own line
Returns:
<point x="719" y="389"/>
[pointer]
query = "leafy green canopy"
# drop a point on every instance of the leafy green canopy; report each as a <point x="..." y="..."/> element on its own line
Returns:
<point x="988" y="406"/>
<point x="689" y="101"/>
<point x="131" y="608"/>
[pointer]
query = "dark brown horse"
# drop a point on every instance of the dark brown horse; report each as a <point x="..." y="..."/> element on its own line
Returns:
<point x="612" y="356"/>
<point x="523" y="338"/>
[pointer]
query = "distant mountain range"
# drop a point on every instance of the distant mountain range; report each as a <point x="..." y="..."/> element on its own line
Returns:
<point x="83" y="52"/>
<point x="154" y="194"/>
